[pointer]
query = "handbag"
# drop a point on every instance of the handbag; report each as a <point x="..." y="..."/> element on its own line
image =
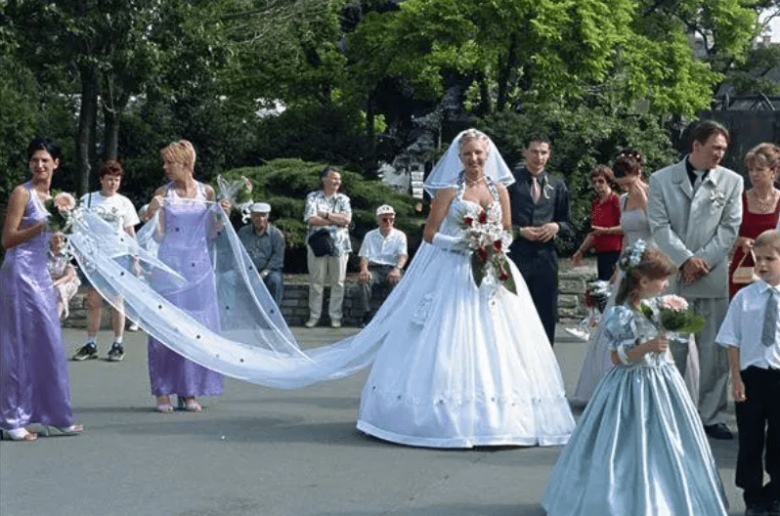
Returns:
<point x="321" y="243"/>
<point x="743" y="273"/>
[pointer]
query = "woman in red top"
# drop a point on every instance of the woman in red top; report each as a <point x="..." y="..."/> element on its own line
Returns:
<point x="606" y="235"/>
<point x="760" y="204"/>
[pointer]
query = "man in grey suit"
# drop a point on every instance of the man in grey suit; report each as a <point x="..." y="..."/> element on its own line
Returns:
<point x="695" y="209"/>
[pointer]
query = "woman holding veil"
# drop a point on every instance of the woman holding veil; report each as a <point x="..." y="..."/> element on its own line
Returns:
<point x="184" y="228"/>
<point x="463" y="365"/>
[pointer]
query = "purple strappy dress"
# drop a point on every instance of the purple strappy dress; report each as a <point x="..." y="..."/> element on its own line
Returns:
<point x="186" y="249"/>
<point x="34" y="384"/>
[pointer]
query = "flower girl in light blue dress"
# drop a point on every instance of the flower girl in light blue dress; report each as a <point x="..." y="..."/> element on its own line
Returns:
<point x="639" y="448"/>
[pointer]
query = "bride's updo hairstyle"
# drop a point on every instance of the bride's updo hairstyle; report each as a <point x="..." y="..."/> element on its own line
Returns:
<point x="640" y="261"/>
<point x="180" y="152"/>
<point x="628" y="162"/>
<point x="473" y="134"/>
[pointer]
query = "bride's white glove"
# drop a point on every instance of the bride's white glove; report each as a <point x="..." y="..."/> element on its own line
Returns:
<point x="450" y="243"/>
<point x="506" y="241"/>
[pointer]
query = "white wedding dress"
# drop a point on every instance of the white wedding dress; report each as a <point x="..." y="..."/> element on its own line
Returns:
<point x="462" y="366"/>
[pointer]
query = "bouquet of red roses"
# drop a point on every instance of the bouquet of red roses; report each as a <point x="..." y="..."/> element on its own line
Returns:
<point x="485" y="237"/>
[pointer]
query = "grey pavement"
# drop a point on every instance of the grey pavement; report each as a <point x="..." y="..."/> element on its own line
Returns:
<point x="262" y="452"/>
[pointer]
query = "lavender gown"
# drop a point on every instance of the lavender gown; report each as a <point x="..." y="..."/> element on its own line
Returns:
<point x="34" y="384"/>
<point x="186" y="249"/>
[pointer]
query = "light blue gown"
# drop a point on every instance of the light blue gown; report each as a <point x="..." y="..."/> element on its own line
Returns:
<point x="639" y="448"/>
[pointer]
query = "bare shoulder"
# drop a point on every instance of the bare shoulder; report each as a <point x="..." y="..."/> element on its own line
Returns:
<point x="20" y="194"/>
<point x="162" y="191"/>
<point x="209" y="192"/>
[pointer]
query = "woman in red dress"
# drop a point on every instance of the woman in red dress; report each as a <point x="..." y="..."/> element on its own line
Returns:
<point x="606" y="234"/>
<point x="760" y="206"/>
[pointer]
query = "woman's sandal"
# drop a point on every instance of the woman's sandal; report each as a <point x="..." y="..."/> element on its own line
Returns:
<point x="18" y="434"/>
<point x="164" y="406"/>
<point x="63" y="431"/>
<point x="189" y="404"/>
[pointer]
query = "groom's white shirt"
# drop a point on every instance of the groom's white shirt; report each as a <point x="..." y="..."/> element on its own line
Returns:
<point x="704" y="225"/>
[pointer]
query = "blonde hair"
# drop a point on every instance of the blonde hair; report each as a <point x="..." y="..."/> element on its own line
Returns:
<point x="767" y="154"/>
<point x="769" y="238"/>
<point x="180" y="152"/>
<point x="473" y="134"/>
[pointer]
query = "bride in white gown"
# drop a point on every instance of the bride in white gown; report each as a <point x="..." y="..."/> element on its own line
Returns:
<point x="462" y="365"/>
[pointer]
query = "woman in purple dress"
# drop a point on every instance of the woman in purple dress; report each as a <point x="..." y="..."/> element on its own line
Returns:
<point x="34" y="384"/>
<point x="185" y="226"/>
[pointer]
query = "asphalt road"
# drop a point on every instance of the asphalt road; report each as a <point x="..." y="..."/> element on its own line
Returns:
<point x="261" y="452"/>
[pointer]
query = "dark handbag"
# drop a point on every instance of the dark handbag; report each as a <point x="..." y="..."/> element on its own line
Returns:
<point x="321" y="243"/>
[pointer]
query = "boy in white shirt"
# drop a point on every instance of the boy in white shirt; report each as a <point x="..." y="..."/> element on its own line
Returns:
<point x="751" y="334"/>
<point x="118" y="211"/>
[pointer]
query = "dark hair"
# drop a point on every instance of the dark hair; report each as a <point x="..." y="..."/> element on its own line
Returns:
<point x="705" y="129"/>
<point x="327" y="170"/>
<point x="605" y="172"/>
<point x="111" y="167"/>
<point x="654" y="264"/>
<point x="628" y="161"/>
<point x="43" y="143"/>
<point x="538" y="138"/>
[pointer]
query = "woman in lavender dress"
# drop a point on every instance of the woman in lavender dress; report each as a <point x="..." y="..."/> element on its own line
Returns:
<point x="34" y="384"/>
<point x="185" y="225"/>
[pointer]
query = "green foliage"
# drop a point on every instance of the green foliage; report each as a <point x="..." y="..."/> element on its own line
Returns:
<point x="285" y="183"/>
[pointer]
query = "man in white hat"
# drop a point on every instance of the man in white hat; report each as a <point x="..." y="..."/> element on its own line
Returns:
<point x="265" y="245"/>
<point x="383" y="256"/>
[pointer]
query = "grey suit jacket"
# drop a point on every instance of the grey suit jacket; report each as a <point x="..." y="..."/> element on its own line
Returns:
<point x="704" y="226"/>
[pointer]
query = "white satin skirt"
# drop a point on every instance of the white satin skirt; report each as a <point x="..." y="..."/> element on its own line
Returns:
<point x="462" y="366"/>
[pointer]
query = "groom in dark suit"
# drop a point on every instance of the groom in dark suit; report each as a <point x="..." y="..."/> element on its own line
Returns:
<point x="540" y="211"/>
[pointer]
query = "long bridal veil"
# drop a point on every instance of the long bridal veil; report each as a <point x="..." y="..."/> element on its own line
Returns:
<point x="253" y="342"/>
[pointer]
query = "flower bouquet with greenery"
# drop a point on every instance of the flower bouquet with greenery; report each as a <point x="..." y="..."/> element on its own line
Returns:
<point x="672" y="314"/>
<point x="60" y="207"/>
<point x="485" y="237"/>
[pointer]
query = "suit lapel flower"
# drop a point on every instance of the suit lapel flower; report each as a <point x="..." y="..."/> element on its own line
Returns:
<point x="718" y="198"/>
<point x="547" y="188"/>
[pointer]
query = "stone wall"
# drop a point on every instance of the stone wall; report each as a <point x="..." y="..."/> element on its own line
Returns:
<point x="295" y="304"/>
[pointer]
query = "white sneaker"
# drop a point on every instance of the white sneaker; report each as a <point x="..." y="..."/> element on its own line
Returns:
<point x="311" y="323"/>
<point x="578" y="333"/>
<point x="335" y="323"/>
<point x="133" y="327"/>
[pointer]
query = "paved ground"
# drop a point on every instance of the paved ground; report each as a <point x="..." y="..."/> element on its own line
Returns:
<point x="263" y="452"/>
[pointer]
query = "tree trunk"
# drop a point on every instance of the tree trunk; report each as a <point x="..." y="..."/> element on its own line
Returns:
<point x="505" y="70"/>
<point x="111" y="137"/>
<point x="87" y="119"/>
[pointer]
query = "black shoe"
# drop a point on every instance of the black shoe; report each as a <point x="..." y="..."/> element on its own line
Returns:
<point x="719" y="431"/>
<point x="117" y="353"/>
<point x="756" y="510"/>
<point x="364" y="321"/>
<point x="86" y="352"/>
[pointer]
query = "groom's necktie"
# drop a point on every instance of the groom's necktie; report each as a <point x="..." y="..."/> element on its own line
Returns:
<point x="769" y="332"/>
<point x="536" y="191"/>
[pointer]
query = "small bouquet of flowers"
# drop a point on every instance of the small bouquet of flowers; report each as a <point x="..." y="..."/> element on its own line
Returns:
<point x="60" y="208"/>
<point x="238" y="192"/>
<point x="485" y="237"/>
<point x="672" y="314"/>
<point x="597" y="295"/>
